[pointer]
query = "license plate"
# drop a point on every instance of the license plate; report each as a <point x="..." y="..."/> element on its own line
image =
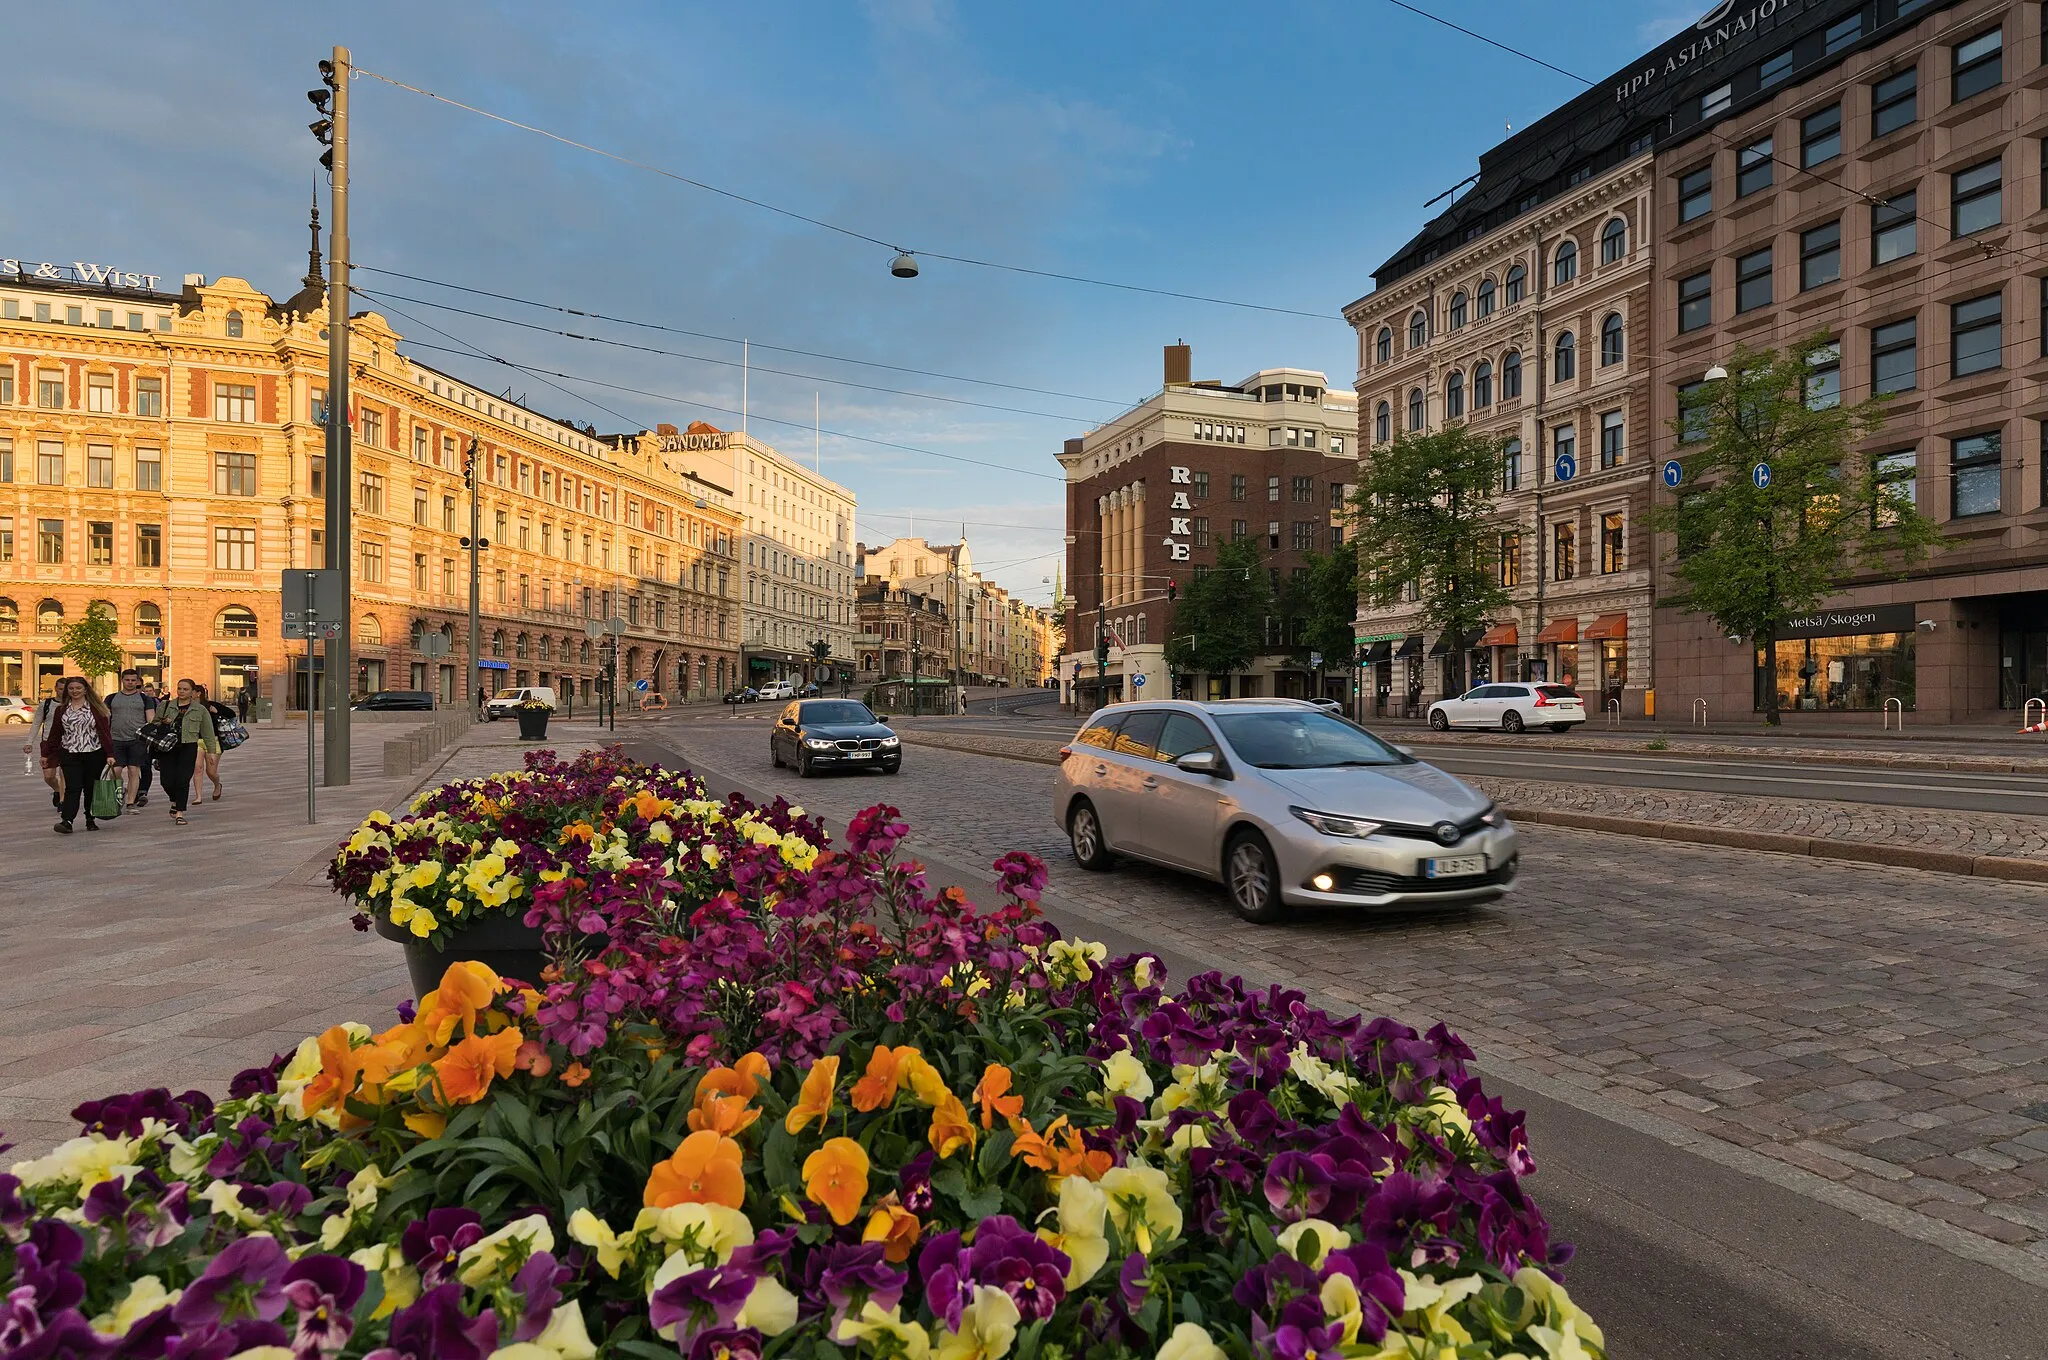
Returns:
<point x="858" y="755"/>
<point x="1457" y="866"/>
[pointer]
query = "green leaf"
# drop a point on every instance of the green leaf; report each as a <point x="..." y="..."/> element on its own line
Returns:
<point x="1191" y="1307"/>
<point x="1028" y="1340"/>
<point x="995" y="1150"/>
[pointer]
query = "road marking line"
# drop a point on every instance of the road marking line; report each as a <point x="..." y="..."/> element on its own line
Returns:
<point x="1524" y="767"/>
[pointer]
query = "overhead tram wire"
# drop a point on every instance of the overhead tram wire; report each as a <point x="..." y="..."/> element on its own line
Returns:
<point x="849" y="232"/>
<point x="1511" y="51"/>
<point x="471" y="351"/>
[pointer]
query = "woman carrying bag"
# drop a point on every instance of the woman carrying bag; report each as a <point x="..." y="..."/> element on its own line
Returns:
<point x="80" y="741"/>
<point x="194" y="727"/>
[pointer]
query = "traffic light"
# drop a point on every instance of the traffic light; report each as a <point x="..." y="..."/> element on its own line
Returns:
<point x="322" y="127"/>
<point x="1172" y="591"/>
<point x="1102" y="649"/>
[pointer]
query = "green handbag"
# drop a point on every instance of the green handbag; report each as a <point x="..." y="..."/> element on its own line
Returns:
<point x="109" y="797"/>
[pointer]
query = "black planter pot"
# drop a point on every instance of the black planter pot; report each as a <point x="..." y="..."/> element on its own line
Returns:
<point x="533" y="724"/>
<point x="505" y="944"/>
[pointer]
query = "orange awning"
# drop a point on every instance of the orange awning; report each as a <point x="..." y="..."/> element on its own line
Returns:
<point x="1608" y="626"/>
<point x="1561" y="630"/>
<point x="1501" y="635"/>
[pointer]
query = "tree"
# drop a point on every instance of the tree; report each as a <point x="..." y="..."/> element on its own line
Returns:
<point x="1220" y="624"/>
<point x="1754" y="557"/>
<point x="91" y="644"/>
<point x="1424" y="514"/>
<point x="1324" y="604"/>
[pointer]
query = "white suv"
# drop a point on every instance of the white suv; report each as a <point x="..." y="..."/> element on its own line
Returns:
<point x="1510" y="708"/>
<point x="778" y="689"/>
<point x="505" y="703"/>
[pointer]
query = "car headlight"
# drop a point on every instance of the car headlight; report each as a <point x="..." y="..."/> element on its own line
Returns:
<point x="892" y="741"/>
<point x="1332" y="824"/>
<point x="1491" y="816"/>
<point x="819" y="744"/>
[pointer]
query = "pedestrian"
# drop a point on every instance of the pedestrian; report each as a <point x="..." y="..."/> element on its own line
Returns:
<point x="244" y="701"/>
<point x="128" y="708"/>
<point x="52" y="772"/>
<point x="209" y="760"/>
<point x="81" y="740"/>
<point x="195" y="735"/>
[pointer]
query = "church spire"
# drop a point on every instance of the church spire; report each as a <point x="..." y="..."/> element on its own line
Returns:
<point x="314" y="278"/>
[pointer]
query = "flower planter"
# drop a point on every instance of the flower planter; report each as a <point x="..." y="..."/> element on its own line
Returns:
<point x="533" y="724"/>
<point x="506" y="944"/>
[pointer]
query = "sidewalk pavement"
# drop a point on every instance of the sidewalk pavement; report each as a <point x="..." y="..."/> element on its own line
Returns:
<point x="149" y="954"/>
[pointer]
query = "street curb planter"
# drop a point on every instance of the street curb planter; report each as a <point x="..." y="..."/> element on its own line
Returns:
<point x="533" y="722"/>
<point x="507" y="946"/>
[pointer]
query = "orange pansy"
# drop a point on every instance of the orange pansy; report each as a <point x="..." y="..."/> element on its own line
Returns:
<point x="723" y="1114"/>
<point x="895" y="1227"/>
<point x="888" y="1069"/>
<point x="922" y="1078"/>
<point x="575" y="1074"/>
<point x="742" y="1079"/>
<point x="704" y="1169"/>
<point x="464" y="1075"/>
<point x="951" y="1129"/>
<point x="814" y="1101"/>
<point x="1059" y="1151"/>
<point x="466" y="988"/>
<point x="836" y="1176"/>
<point x="990" y="1095"/>
<point x="339" y="1068"/>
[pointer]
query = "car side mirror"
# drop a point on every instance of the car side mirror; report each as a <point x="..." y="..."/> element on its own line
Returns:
<point x="1199" y="762"/>
<point x="1408" y="751"/>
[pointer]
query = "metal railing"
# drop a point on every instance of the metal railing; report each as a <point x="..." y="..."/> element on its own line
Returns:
<point x="1891" y="706"/>
<point x="1699" y="713"/>
<point x="1614" y="712"/>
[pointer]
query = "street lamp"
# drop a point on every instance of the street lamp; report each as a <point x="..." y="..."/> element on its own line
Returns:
<point x="1715" y="374"/>
<point x="904" y="266"/>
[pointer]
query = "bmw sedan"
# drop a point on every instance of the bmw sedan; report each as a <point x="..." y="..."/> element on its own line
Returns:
<point x="824" y="734"/>
<point x="1282" y="804"/>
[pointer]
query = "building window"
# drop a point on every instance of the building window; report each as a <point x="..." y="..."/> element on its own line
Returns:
<point x="1482" y="385"/>
<point x="149" y="397"/>
<point x="1273" y="489"/>
<point x="99" y="543"/>
<point x="1510" y="560"/>
<point x="1894" y="102"/>
<point x="1566" y="366"/>
<point x="1693" y="413"/>
<point x="370" y="495"/>
<point x="1454" y="396"/>
<point x="149" y="545"/>
<point x="1824" y="377"/>
<point x="1304" y="490"/>
<point x="1897" y="485"/>
<point x="1564" y="266"/>
<point x="1696" y="301"/>
<point x="234" y="549"/>
<point x="1201" y="485"/>
<point x="1820" y="137"/>
<point x="373" y="428"/>
<point x="1238" y="486"/>
<point x="7" y="385"/>
<point x="99" y="465"/>
<point x="1457" y="311"/>
<point x="1820" y="256"/>
<point x="1564" y="551"/>
<point x="1976" y="198"/>
<point x="1976" y="470"/>
<point x="149" y="470"/>
<point x="419" y="443"/>
<point x="1612" y="444"/>
<point x="234" y="325"/>
<point x="234" y="474"/>
<point x="1894" y="357"/>
<point x="99" y="393"/>
<point x="1201" y="524"/>
<point x="1384" y="346"/>
<point x="1977" y="65"/>
<point x="1611" y="343"/>
<point x="234" y="403"/>
<point x="1892" y="228"/>
<point x="1383" y="423"/>
<point x="1753" y="166"/>
<point x="1517" y="281"/>
<point x="1613" y="240"/>
<point x="1304" y="535"/>
<point x="1273" y="534"/>
<point x="1717" y="101"/>
<point x="1415" y="411"/>
<point x="1511" y="376"/>
<point x="1774" y="70"/>
<point x="1418" y="330"/>
<point x="1842" y="35"/>
<point x="1753" y="281"/>
<point x="1612" y="557"/>
<point x="371" y="558"/>
<point x="1564" y="444"/>
<point x="49" y="546"/>
<point x="316" y="474"/>
<point x="1976" y="332"/>
<point x="1485" y="298"/>
<point x="1696" y="193"/>
<point x="1511" y="466"/>
<point x="1239" y="530"/>
<point x="49" y="390"/>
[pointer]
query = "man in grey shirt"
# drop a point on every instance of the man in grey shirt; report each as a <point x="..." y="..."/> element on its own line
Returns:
<point x="128" y="709"/>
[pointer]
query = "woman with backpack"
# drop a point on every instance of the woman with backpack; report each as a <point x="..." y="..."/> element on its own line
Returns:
<point x="193" y="725"/>
<point x="45" y="719"/>
<point x="209" y="760"/>
<point x="80" y="740"/>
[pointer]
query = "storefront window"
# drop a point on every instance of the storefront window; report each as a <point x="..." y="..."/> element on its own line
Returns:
<point x="1841" y="674"/>
<point x="1567" y="669"/>
<point x="1613" y="669"/>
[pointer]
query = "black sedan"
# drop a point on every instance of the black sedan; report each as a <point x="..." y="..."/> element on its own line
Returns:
<point x="395" y="701"/>
<point x="820" y="734"/>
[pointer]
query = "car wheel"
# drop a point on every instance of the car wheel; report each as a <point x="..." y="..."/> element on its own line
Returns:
<point x="775" y="754"/>
<point x="1511" y="721"/>
<point x="1084" y="832"/>
<point x="1560" y="727"/>
<point x="1253" y="881"/>
<point x="892" y="769"/>
<point x="1440" y="720"/>
<point x="803" y="766"/>
<point x="16" y="720"/>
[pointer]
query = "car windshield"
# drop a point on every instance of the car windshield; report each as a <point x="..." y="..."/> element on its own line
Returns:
<point x="837" y="711"/>
<point x="1303" y="741"/>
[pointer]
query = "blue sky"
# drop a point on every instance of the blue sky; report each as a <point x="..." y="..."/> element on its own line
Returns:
<point x="1272" y="153"/>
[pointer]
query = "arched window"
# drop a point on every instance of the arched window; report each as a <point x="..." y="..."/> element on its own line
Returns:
<point x="1613" y="240"/>
<point x="498" y="642"/>
<point x="10" y="616"/>
<point x="234" y="325"/>
<point x="584" y="654"/>
<point x="1383" y="424"/>
<point x="1567" y="366"/>
<point x="1418" y="330"/>
<point x="49" y="617"/>
<point x="236" y="621"/>
<point x="1384" y="350"/>
<point x="519" y="645"/>
<point x="547" y="648"/>
<point x="419" y="630"/>
<point x="1564" y="266"/>
<point x="149" y="620"/>
<point x="1454" y="396"/>
<point x="1611" y="344"/>
<point x="1511" y="376"/>
<point x="105" y="607"/>
<point x="1458" y="311"/>
<point x="1415" y="409"/>
<point x="1482" y="385"/>
<point x="369" y="632"/>
<point x="1486" y="297"/>
<point x="1518" y="278"/>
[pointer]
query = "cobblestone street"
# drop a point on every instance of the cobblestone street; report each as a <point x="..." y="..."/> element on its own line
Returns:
<point x="1886" y="1029"/>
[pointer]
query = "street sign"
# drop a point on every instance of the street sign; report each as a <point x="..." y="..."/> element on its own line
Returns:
<point x="615" y="625"/>
<point x="1137" y="682"/>
<point x="1673" y="473"/>
<point x="159" y="646"/>
<point x="1761" y="475"/>
<point x="1567" y="467"/>
<point x="325" y="593"/>
<point x="593" y="629"/>
<point x="433" y="644"/>
<point x="640" y="685"/>
<point x="1315" y="661"/>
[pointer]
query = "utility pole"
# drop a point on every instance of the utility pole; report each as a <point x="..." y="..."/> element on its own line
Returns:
<point x="340" y="473"/>
<point x="475" y="545"/>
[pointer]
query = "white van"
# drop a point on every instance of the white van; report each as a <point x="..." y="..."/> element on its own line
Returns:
<point x="778" y="689"/>
<point x="505" y="703"/>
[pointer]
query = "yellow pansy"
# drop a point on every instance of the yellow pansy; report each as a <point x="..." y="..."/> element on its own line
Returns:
<point x="889" y="1334"/>
<point x="1342" y="1304"/>
<point x="144" y="1297"/>
<point x="401" y="1281"/>
<point x="988" y="1326"/>
<point x="1329" y="1238"/>
<point x="1082" y="1211"/>
<point x="770" y="1309"/>
<point x="1141" y="1204"/>
<point x="1124" y="1075"/>
<point x="495" y="1253"/>
<point x="1190" y="1341"/>
<point x="612" y="1248"/>
<point x="706" y="1233"/>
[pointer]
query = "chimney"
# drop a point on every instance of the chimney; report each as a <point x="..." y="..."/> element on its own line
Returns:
<point x="1180" y="364"/>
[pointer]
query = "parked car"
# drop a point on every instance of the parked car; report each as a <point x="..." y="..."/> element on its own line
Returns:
<point x="505" y="703"/>
<point x="810" y="690"/>
<point x="395" y="701"/>
<point x="1510" y="707"/>
<point x="816" y="734"/>
<point x="1283" y="805"/>
<point x="1333" y="707"/>
<point x="778" y="689"/>
<point x="744" y="694"/>
<point x="15" y="709"/>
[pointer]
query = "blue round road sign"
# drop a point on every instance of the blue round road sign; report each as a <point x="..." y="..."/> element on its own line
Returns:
<point x="1761" y="475"/>
<point x="1567" y="467"/>
<point x="1673" y="473"/>
<point x="1137" y="682"/>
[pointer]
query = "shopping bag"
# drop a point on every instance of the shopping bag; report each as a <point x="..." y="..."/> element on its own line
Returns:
<point x="108" y="797"/>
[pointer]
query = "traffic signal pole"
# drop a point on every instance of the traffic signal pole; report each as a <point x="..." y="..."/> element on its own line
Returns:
<point x="340" y="474"/>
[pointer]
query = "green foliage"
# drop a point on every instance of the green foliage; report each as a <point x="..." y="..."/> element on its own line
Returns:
<point x="1323" y="605"/>
<point x="91" y="645"/>
<point x="1424" y="509"/>
<point x="1220" y="624"/>
<point x="1754" y="558"/>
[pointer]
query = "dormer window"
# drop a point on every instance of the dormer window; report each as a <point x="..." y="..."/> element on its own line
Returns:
<point x="234" y="325"/>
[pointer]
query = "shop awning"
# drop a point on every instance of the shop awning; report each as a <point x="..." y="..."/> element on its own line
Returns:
<point x="1607" y="626"/>
<point x="1500" y="635"/>
<point x="1376" y="653"/>
<point x="1560" y="630"/>
<point x="1411" y="645"/>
